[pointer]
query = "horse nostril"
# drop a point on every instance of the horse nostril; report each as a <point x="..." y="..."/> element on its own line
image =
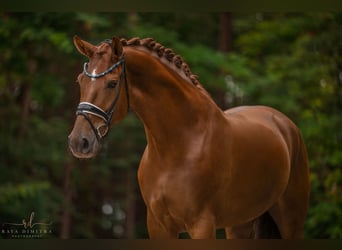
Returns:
<point x="85" y="146"/>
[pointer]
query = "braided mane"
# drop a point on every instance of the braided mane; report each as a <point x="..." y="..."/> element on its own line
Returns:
<point x="167" y="53"/>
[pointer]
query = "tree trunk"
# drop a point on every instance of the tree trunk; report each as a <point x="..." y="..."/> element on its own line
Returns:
<point x="25" y="99"/>
<point x="225" y="32"/>
<point x="67" y="193"/>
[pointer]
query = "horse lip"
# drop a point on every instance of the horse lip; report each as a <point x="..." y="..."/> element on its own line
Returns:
<point x="81" y="155"/>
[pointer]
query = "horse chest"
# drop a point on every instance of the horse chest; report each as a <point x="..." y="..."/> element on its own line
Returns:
<point x="162" y="187"/>
<point x="167" y="196"/>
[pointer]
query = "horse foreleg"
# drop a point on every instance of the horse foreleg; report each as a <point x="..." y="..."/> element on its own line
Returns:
<point x="243" y="231"/>
<point x="203" y="228"/>
<point x="156" y="230"/>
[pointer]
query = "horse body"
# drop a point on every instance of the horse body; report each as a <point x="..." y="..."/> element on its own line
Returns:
<point x="203" y="168"/>
<point x="183" y="187"/>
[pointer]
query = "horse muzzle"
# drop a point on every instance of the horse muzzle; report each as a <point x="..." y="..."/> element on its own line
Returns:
<point x="83" y="145"/>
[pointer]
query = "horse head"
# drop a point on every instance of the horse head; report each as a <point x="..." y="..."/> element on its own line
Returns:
<point x="103" y="99"/>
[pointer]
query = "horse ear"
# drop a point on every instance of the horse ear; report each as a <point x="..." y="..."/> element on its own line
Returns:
<point x="116" y="46"/>
<point x="84" y="47"/>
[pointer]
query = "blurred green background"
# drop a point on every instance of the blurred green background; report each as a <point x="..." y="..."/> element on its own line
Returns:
<point x="290" y="61"/>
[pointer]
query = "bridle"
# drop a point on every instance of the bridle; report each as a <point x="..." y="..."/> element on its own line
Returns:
<point x="86" y="108"/>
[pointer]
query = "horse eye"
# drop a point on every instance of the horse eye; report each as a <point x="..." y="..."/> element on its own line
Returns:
<point x="112" y="84"/>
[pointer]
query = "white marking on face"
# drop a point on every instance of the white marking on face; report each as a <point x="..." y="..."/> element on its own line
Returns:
<point x="93" y="73"/>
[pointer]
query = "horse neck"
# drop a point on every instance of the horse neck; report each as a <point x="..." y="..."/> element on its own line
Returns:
<point x="171" y="108"/>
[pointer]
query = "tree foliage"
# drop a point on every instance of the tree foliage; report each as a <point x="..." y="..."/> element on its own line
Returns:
<point x="289" y="61"/>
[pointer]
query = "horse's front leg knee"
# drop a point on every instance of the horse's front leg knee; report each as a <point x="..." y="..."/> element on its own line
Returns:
<point x="203" y="228"/>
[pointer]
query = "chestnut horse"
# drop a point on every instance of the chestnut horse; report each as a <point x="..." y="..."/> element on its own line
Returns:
<point x="244" y="169"/>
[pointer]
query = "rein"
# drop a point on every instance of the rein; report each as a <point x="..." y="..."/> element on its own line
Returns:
<point x="86" y="108"/>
